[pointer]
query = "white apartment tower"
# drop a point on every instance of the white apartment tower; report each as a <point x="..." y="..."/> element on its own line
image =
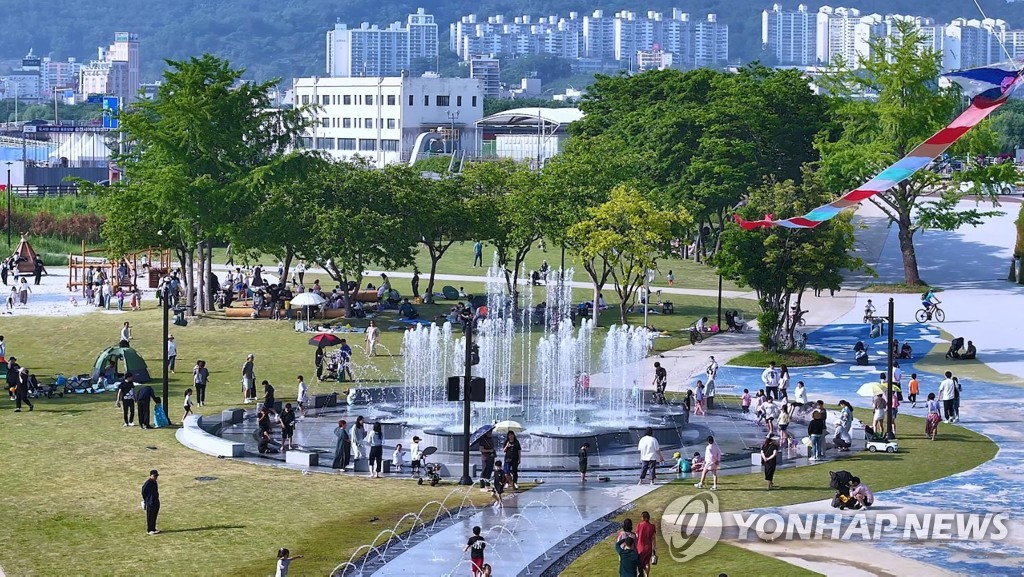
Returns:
<point x="711" y="42"/>
<point x="970" y="43"/>
<point x="373" y="51"/>
<point x="116" y="71"/>
<point x="835" y="35"/>
<point x="790" y="36"/>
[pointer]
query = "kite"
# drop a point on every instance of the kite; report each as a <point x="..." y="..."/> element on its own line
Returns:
<point x="989" y="88"/>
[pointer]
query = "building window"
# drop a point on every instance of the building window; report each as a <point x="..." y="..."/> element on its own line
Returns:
<point x="346" y="144"/>
<point x="305" y="142"/>
<point x="369" y="99"/>
<point x="325" y="100"/>
<point x="346" y="100"/>
<point x="367" y="145"/>
<point x="458" y="100"/>
<point x="443" y="100"/>
<point x="368" y="123"/>
<point x="325" y="143"/>
<point x="346" y="123"/>
<point x="392" y="123"/>
<point x="305" y="99"/>
<point x="389" y="145"/>
<point x="474" y="102"/>
<point x="426" y="100"/>
<point x="391" y="99"/>
<point x="325" y="122"/>
<point x="410" y="100"/>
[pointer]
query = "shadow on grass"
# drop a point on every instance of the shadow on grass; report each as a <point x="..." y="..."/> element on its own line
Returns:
<point x="209" y="528"/>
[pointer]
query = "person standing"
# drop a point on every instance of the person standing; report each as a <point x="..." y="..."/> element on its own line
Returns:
<point x="712" y="462"/>
<point x="709" y="391"/>
<point x="143" y="397"/>
<point x="487" y="455"/>
<point x="915" y="388"/>
<point x="629" y="559"/>
<point x="151" y="501"/>
<point x="126" y="336"/>
<point x="376" y="441"/>
<point x="172" y="352"/>
<point x="645" y="542"/>
<point x="345" y="361"/>
<point x="21" y="389"/>
<point x="13" y="371"/>
<point x="200" y="377"/>
<point x="476" y="546"/>
<point x="3" y="350"/>
<point x="415" y="283"/>
<point x="38" y="269"/>
<point x="513" y="455"/>
<point x="318" y="362"/>
<point x="816" y="431"/>
<point x="660" y="382"/>
<point x="268" y="397"/>
<point x="230" y="260"/>
<point x="769" y="460"/>
<point x="770" y="379"/>
<point x="126" y="400"/>
<point x="303" y="395"/>
<point x="956" y="399"/>
<point x="284" y="560"/>
<point x="358" y="435"/>
<point x="372" y="335"/>
<point x="342" y="446"/>
<point x="300" y="270"/>
<point x="3" y="271"/>
<point x="947" y="395"/>
<point x="249" y="379"/>
<point x="584" y="458"/>
<point x="287" y="419"/>
<point x="650" y="455"/>
<point x="931" y="425"/>
<point x="783" y="382"/>
<point x="478" y="254"/>
<point x="23" y="290"/>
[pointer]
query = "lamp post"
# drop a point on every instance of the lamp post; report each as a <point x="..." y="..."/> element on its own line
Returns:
<point x="9" y="163"/>
<point x="467" y="379"/>
<point x="166" y="308"/>
<point x="889" y="435"/>
<point x="719" y="302"/>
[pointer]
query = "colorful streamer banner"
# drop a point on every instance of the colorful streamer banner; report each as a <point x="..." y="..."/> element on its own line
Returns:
<point x="990" y="87"/>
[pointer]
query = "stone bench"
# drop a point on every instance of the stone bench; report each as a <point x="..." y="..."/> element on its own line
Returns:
<point x="278" y="406"/>
<point x="304" y="458"/>
<point x="192" y="435"/>
<point x="232" y="416"/>
<point x="321" y="401"/>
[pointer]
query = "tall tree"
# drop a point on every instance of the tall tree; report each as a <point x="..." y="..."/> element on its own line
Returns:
<point x="511" y="200"/>
<point x="189" y="153"/>
<point x="779" y="263"/>
<point x="444" y="215"/>
<point x="627" y="234"/>
<point x="874" y="133"/>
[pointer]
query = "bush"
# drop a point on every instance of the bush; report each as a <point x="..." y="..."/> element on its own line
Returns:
<point x="767" y="322"/>
<point x="72" y="227"/>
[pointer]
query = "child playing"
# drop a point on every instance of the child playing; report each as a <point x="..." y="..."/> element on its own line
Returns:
<point x="681" y="465"/>
<point x="915" y="388"/>
<point x="745" y="401"/>
<point x="187" y="405"/>
<point x="671" y="277"/>
<point x="476" y="546"/>
<point x="498" y="484"/>
<point x="697" y="462"/>
<point x="120" y="299"/>
<point x="398" y="459"/>
<point x="134" y="303"/>
<point x="759" y="406"/>
<point x="283" y="561"/>
<point x="583" y="456"/>
<point x="699" y="397"/>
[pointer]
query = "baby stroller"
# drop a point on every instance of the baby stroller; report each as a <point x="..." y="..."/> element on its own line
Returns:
<point x="432" y="471"/>
<point x="954" y="348"/>
<point x="840" y="481"/>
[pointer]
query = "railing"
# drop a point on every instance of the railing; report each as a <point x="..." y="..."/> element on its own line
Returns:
<point x="44" y="191"/>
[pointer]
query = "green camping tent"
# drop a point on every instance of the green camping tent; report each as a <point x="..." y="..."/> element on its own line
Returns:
<point x="124" y="359"/>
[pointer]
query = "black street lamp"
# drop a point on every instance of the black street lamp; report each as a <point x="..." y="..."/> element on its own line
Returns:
<point x="166" y="309"/>
<point x="9" y="163"/>
<point x="889" y="434"/>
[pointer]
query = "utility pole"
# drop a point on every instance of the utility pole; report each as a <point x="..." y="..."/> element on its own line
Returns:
<point x="163" y="344"/>
<point x="889" y="435"/>
<point x="9" y="163"/>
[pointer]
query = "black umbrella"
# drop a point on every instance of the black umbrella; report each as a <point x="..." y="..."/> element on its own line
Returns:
<point x="325" y="340"/>
<point x="475" y="437"/>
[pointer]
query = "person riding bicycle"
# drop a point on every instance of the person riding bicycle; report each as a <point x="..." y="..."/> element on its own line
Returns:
<point x="929" y="301"/>
<point x="869" y="311"/>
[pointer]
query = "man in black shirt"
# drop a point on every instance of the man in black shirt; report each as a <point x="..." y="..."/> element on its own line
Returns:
<point x="486" y="457"/>
<point x="143" y="397"/>
<point x="126" y="400"/>
<point x="151" y="501"/>
<point x="476" y="546"/>
<point x="20" y="388"/>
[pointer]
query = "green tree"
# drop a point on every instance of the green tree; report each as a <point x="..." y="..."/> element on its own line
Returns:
<point x="875" y="133"/>
<point x="511" y="208"/>
<point x="626" y="234"/>
<point x="1008" y="123"/>
<point x="190" y="153"/>
<point x="779" y="263"/>
<point x="445" y="214"/>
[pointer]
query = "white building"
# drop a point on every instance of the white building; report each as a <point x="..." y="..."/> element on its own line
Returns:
<point x="374" y="51"/>
<point x="710" y="42"/>
<point x="382" y="119"/>
<point x="57" y="74"/>
<point x="656" y="59"/>
<point x="790" y="36"/>
<point x="116" y="71"/>
<point x="970" y="43"/>
<point x="488" y="72"/>
<point x="835" y="35"/>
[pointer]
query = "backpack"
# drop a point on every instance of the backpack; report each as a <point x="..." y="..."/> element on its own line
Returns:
<point x="924" y="295"/>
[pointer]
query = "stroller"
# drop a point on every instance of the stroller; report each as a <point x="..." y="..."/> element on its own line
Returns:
<point x="432" y="471"/>
<point x="840" y="481"/>
<point x="954" y="348"/>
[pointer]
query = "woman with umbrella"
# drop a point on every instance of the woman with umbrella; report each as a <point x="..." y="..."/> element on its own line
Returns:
<point x="321" y="341"/>
<point x="513" y="453"/>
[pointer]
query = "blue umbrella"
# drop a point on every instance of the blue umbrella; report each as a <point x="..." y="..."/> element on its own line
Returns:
<point x="476" y="436"/>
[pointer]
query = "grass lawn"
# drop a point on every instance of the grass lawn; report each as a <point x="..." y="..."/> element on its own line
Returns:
<point x="804" y="358"/>
<point x="898" y="288"/>
<point x="71" y="489"/>
<point x="919" y="460"/>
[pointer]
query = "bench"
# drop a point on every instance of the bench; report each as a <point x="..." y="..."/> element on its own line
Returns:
<point x="232" y="416"/>
<point x="328" y="400"/>
<point x="304" y="458"/>
<point x="278" y="406"/>
<point x="192" y="435"/>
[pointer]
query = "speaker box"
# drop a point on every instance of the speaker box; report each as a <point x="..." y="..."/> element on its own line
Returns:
<point x="477" y="390"/>
<point x="454" y="384"/>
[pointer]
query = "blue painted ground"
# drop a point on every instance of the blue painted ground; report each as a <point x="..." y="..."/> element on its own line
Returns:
<point x="988" y="408"/>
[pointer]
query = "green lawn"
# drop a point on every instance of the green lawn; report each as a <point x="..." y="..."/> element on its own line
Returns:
<point x="919" y="460"/>
<point x="804" y="358"/>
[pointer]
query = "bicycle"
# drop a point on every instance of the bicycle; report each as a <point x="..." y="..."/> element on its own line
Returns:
<point x="924" y="315"/>
<point x="695" y="335"/>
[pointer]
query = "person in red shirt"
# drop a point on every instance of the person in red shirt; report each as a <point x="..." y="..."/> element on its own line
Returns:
<point x="645" y="532"/>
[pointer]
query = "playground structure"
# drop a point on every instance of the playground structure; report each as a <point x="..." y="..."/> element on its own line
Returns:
<point x="155" y="264"/>
<point x="25" y="257"/>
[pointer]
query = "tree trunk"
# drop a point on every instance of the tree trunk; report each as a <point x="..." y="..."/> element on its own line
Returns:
<point x="209" y="273"/>
<point x="428" y="297"/>
<point x="911" y="275"/>
<point x="190" y="282"/>
<point x="289" y="256"/>
<point x="201" y="285"/>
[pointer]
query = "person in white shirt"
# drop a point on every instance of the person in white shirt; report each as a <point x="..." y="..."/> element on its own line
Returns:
<point x="860" y="492"/>
<point x="771" y="413"/>
<point x="800" y="394"/>
<point x="303" y="395"/>
<point x="398" y="458"/>
<point x="650" y="455"/>
<point x="283" y="559"/>
<point x="126" y="335"/>
<point x="172" y="353"/>
<point x="869" y="311"/>
<point x="897" y="375"/>
<point x="416" y="455"/>
<point x="947" y="394"/>
<point x="770" y="379"/>
<point x="712" y="461"/>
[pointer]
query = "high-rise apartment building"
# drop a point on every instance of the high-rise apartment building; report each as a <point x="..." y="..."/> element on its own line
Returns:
<point x="790" y="37"/>
<point x="373" y="51"/>
<point x="710" y="42"/>
<point x="116" y="70"/>
<point x="971" y="43"/>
